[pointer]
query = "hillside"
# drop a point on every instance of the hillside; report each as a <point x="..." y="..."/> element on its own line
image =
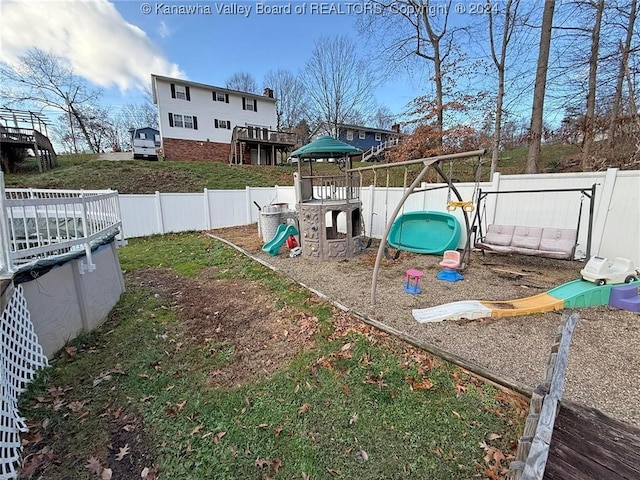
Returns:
<point x="77" y="172"/>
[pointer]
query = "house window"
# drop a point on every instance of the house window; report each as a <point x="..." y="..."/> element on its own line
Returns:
<point x="362" y="134"/>
<point x="222" y="124"/>
<point x="249" y="104"/>
<point x="378" y="137"/>
<point x="220" y="97"/>
<point x="183" y="121"/>
<point x="180" y="92"/>
<point x="349" y="134"/>
<point x="142" y="135"/>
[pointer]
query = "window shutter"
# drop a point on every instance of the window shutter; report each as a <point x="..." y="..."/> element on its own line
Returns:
<point x="228" y="124"/>
<point x="214" y="96"/>
<point x="186" y="89"/>
<point x="195" y="122"/>
<point x="255" y="104"/>
<point x="244" y="103"/>
<point x="215" y="122"/>
<point x="171" y="119"/>
<point x="226" y="98"/>
<point x="173" y="90"/>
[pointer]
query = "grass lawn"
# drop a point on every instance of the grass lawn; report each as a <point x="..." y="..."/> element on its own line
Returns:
<point x="214" y="367"/>
<point x="138" y="176"/>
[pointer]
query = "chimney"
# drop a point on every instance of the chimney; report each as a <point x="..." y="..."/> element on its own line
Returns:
<point x="395" y="128"/>
<point x="268" y="92"/>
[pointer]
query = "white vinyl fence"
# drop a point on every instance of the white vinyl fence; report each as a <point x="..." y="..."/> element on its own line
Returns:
<point x="616" y="207"/>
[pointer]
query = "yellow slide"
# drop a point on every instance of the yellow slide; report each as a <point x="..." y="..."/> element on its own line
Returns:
<point x="523" y="306"/>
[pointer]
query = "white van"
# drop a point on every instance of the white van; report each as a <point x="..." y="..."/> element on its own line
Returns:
<point x="144" y="148"/>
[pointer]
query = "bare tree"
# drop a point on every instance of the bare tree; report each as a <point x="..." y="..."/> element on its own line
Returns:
<point x="289" y="92"/>
<point x="410" y="29"/>
<point x="624" y="49"/>
<point x="243" y="82"/>
<point x="589" y="119"/>
<point x="383" y="118"/>
<point x="339" y="85"/>
<point x="535" y="131"/>
<point x="499" y="57"/>
<point x="44" y="79"/>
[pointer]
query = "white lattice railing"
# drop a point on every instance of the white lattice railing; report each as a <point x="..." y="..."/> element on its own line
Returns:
<point x="20" y="356"/>
<point x="43" y="223"/>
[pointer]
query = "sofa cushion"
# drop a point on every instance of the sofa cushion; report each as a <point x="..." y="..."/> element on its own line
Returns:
<point x="558" y="240"/>
<point x="499" y="235"/>
<point x="526" y="237"/>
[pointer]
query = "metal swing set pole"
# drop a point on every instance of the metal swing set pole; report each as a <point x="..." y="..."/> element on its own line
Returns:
<point x="427" y="162"/>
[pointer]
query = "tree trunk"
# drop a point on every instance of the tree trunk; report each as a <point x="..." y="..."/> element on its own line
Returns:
<point x="624" y="53"/>
<point x="589" y="119"/>
<point x="500" y="67"/>
<point x="87" y="137"/>
<point x="535" y="131"/>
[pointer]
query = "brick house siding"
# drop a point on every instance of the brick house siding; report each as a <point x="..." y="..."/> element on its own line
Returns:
<point x="177" y="149"/>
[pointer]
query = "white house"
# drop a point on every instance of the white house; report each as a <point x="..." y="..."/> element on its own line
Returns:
<point x="209" y="123"/>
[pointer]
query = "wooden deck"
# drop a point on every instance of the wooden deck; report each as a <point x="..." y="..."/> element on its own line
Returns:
<point x="587" y="444"/>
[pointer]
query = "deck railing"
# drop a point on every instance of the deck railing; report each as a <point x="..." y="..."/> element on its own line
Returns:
<point x="37" y="224"/>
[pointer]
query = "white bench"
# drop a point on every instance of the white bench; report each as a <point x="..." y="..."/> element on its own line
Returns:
<point x="537" y="241"/>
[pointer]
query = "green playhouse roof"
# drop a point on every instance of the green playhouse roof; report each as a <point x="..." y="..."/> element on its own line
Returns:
<point x="326" y="147"/>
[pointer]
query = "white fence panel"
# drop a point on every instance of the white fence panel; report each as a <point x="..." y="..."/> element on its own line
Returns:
<point x="228" y="208"/>
<point x="620" y="231"/>
<point x="616" y="214"/>
<point x="139" y="215"/>
<point x="182" y="212"/>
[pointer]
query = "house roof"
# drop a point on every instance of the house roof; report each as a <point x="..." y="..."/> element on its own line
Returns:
<point x="368" y="129"/>
<point x="182" y="81"/>
<point x="133" y="129"/>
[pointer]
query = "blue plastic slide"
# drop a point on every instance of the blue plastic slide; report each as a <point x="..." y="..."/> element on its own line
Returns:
<point x="272" y="247"/>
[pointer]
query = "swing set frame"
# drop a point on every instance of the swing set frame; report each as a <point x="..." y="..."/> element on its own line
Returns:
<point x="430" y="162"/>
<point x="589" y="193"/>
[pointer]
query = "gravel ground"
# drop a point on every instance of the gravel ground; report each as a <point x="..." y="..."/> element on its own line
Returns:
<point x="604" y="365"/>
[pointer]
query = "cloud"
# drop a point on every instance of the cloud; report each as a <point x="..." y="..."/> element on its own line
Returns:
<point x="164" y="30"/>
<point x="92" y="36"/>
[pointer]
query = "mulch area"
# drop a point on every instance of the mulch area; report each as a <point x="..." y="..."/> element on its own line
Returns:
<point x="604" y="367"/>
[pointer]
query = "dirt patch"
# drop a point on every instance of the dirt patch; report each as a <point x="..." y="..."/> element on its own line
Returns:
<point x="603" y="367"/>
<point x="234" y="318"/>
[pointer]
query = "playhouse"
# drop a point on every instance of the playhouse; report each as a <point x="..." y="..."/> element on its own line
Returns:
<point x="329" y="207"/>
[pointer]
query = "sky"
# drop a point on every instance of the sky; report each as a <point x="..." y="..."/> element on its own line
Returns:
<point x="117" y="45"/>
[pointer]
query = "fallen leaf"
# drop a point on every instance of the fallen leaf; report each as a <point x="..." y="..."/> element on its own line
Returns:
<point x="277" y="430"/>
<point x="304" y="408"/>
<point x="218" y="436"/>
<point x="129" y="428"/>
<point x="76" y="405"/>
<point x="333" y="471"/>
<point x="276" y="463"/>
<point x="171" y="412"/>
<point x="362" y="455"/>
<point x="196" y="429"/>
<point x="94" y="465"/>
<point x="71" y="351"/>
<point x="124" y="451"/>
<point x="261" y="462"/>
<point x="181" y="405"/>
<point x="147" y="474"/>
<point x="31" y="438"/>
<point x="353" y="419"/>
<point x="456" y="414"/>
<point x="493" y="436"/>
<point x="106" y="474"/>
